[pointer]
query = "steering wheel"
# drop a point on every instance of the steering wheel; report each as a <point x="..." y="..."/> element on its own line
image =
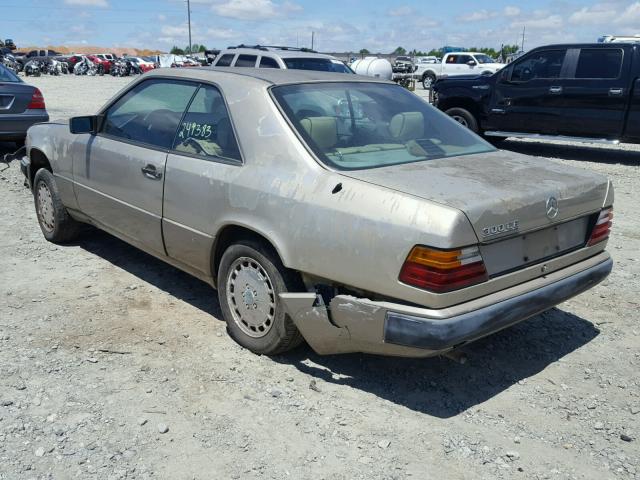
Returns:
<point x="153" y="113"/>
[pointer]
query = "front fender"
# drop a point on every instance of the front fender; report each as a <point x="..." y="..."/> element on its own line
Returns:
<point x="48" y="144"/>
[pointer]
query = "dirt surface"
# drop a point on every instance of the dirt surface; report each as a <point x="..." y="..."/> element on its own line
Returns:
<point x="103" y="347"/>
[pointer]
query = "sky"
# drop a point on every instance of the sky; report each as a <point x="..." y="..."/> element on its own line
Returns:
<point x="344" y="25"/>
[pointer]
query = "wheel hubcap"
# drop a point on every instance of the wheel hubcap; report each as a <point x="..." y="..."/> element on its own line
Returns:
<point x="45" y="207"/>
<point x="460" y="120"/>
<point x="251" y="297"/>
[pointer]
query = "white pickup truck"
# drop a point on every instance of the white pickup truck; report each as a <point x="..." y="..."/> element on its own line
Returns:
<point x="456" y="63"/>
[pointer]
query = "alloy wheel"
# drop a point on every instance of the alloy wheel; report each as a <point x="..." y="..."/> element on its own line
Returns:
<point x="45" y="207"/>
<point x="251" y="297"/>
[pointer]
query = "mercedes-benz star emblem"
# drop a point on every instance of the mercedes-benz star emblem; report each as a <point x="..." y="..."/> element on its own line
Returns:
<point x="552" y="207"/>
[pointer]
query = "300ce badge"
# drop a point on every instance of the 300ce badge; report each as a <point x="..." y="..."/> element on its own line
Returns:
<point x="492" y="230"/>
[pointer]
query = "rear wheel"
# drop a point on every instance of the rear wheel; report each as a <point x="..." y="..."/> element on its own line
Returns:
<point x="250" y="279"/>
<point x="464" y="117"/>
<point x="55" y="222"/>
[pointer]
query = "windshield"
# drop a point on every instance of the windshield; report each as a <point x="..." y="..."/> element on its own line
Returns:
<point x="319" y="64"/>
<point x="484" y="59"/>
<point x="7" y="75"/>
<point x="353" y="126"/>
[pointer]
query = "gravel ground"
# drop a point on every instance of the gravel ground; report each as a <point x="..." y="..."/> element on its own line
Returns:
<point x="115" y="365"/>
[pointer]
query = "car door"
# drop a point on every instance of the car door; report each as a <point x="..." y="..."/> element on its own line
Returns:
<point x="528" y="95"/>
<point x="204" y="160"/>
<point x="462" y="66"/>
<point x="119" y="178"/>
<point x="596" y="94"/>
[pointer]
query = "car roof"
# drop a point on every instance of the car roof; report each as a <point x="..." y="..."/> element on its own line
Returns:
<point x="275" y="52"/>
<point x="272" y="76"/>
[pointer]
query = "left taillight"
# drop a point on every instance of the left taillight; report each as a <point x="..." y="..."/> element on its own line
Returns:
<point x="442" y="271"/>
<point x="602" y="228"/>
<point x="37" y="101"/>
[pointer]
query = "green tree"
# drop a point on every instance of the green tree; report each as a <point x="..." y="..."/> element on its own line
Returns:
<point x="364" y="51"/>
<point x="176" y="50"/>
<point x="399" y="51"/>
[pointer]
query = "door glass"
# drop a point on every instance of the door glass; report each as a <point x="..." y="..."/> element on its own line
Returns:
<point x="452" y="58"/>
<point x="463" y="59"/>
<point x="544" y="64"/>
<point x="150" y="112"/>
<point x="206" y="128"/>
<point x="268" y="62"/>
<point x="599" y="63"/>
<point x="225" y="60"/>
<point x="246" y="61"/>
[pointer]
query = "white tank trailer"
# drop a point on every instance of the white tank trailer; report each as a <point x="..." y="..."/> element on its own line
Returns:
<point x="373" y="67"/>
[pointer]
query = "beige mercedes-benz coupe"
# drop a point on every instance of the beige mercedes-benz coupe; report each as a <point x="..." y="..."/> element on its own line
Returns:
<point x="338" y="209"/>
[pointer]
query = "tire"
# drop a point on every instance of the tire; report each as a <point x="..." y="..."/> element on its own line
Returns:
<point x="464" y="117"/>
<point x="55" y="222"/>
<point x="266" y="329"/>
<point x="428" y="79"/>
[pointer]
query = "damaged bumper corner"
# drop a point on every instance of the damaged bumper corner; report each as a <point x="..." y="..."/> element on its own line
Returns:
<point x="350" y="324"/>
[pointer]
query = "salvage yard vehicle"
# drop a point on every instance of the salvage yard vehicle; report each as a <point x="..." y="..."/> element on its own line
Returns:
<point x="263" y="56"/>
<point x="456" y="64"/>
<point x="334" y="208"/>
<point x="21" y="105"/>
<point x="578" y="92"/>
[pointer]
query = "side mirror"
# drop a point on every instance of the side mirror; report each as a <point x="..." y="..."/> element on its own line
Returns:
<point x="472" y="63"/>
<point x="87" y="124"/>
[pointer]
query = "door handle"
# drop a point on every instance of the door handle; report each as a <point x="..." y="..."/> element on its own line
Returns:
<point x="615" y="91"/>
<point x="555" y="90"/>
<point x="150" y="171"/>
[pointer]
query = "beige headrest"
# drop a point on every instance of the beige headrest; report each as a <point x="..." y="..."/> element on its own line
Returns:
<point x="407" y="126"/>
<point x="322" y="130"/>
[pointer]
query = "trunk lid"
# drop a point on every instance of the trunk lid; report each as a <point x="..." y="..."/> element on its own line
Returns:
<point x="501" y="193"/>
<point x="14" y="97"/>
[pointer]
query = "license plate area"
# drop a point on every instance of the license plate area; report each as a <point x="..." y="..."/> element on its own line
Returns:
<point x="518" y="252"/>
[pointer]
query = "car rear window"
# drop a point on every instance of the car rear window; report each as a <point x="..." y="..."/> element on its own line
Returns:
<point x="362" y="125"/>
<point x="8" y="76"/>
<point x="225" y="60"/>
<point x="317" y="64"/>
<point x="599" y="63"/>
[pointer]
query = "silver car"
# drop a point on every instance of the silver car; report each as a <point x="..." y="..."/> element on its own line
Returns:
<point x="21" y="105"/>
<point x="338" y="209"/>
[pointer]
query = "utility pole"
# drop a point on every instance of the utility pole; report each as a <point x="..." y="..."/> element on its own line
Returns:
<point x="189" y="22"/>
<point x="312" y="39"/>
<point x="523" y="30"/>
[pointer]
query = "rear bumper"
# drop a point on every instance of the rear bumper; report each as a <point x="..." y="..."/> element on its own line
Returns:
<point x="14" y="127"/>
<point x="361" y="325"/>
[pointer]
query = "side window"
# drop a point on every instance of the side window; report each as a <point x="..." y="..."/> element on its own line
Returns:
<point x="225" y="60"/>
<point x="452" y="58"/>
<point x="599" y="63"/>
<point x="246" y="61"/>
<point x="543" y="64"/>
<point x="268" y="62"/>
<point x="150" y="112"/>
<point x="206" y="128"/>
<point x="463" y="59"/>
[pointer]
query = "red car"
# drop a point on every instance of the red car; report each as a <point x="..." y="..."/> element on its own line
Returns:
<point x="106" y="64"/>
<point x="144" y="65"/>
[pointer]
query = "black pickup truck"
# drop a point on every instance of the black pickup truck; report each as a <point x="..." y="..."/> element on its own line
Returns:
<point x="586" y="92"/>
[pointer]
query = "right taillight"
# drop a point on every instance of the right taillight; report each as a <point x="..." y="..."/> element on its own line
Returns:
<point x="37" y="101"/>
<point x="602" y="228"/>
<point x="443" y="270"/>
